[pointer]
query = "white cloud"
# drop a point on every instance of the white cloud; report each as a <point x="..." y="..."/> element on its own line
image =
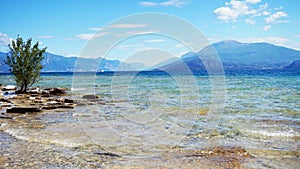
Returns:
<point x="97" y="29"/>
<point x="263" y="6"/>
<point x="250" y="21"/>
<point x="262" y="10"/>
<point x="125" y="25"/>
<point x="232" y="10"/>
<point x="45" y="37"/>
<point x="90" y="36"/>
<point x="270" y="39"/>
<point x="253" y="1"/>
<point x="154" y="40"/>
<point x="265" y="13"/>
<point x="135" y="33"/>
<point x="174" y="3"/>
<point x="4" y="39"/>
<point x="267" y="27"/>
<point x="279" y="8"/>
<point x="249" y="10"/>
<point x="226" y="14"/>
<point x="275" y="18"/>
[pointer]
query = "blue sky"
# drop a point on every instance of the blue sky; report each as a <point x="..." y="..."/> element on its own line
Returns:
<point x="65" y="26"/>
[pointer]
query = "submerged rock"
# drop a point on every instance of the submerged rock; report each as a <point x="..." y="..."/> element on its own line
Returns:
<point x="90" y="97"/>
<point x="225" y="157"/>
<point x="108" y="154"/>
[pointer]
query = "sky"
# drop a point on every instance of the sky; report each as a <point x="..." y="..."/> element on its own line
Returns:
<point x="67" y="27"/>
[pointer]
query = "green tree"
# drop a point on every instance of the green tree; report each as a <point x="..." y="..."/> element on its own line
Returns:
<point x="25" y="62"/>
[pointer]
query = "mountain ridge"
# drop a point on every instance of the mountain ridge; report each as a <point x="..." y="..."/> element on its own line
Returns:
<point x="234" y="55"/>
<point x="59" y="63"/>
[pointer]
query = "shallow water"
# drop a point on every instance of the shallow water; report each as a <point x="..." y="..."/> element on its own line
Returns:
<point x="141" y="117"/>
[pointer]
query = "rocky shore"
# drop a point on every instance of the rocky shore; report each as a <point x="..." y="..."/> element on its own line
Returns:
<point x="34" y="100"/>
<point x="37" y="100"/>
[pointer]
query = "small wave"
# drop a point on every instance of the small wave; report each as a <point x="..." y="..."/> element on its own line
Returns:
<point x="3" y="125"/>
<point x="23" y="136"/>
<point x="77" y="89"/>
<point x="286" y="134"/>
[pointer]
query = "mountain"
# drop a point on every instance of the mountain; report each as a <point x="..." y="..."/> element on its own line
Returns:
<point x="235" y="56"/>
<point x="3" y="66"/>
<point x="294" y="66"/>
<point x="58" y="63"/>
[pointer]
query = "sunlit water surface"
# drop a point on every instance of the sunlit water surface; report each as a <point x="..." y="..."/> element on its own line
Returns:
<point x="141" y="116"/>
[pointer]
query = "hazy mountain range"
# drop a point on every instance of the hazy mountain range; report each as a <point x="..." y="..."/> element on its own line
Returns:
<point x="234" y="56"/>
<point x="58" y="63"/>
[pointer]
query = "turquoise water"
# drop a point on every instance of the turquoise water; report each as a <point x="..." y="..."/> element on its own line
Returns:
<point x="141" y="116"/>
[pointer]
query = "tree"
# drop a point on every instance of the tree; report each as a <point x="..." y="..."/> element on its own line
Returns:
<point x="25" y="62"/>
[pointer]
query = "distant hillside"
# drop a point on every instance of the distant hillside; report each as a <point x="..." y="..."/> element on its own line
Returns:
<point x="295" y="65"/>
<point x="235" y="55"/>
<point x="58" y="63"/>
<point x="3" y="66"/>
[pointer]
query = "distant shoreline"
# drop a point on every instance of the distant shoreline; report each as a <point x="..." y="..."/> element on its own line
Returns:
<point x="283" y="72"/>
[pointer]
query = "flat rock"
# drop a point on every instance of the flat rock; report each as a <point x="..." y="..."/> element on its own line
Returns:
<point x="5" y="116"/>
<point x="23" y="110"/>
<point x="9" y="87"/>
<point x="56" y="91"/>
<point x="91" y="97"/>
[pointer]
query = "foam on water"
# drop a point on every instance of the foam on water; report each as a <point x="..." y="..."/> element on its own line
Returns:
<point x="285" y="134"/>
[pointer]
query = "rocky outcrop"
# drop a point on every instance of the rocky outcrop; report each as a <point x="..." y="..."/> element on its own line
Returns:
<point x="36" y="100"/>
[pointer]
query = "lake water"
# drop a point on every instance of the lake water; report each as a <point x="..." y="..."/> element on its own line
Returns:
<point x="142" y="116"/>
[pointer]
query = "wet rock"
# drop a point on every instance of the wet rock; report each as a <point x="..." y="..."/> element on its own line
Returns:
<point x="5" y="100"/>
<point x="45" y="93"/>
<point x="225" y="157"/>
<point x="34" y="90"/>
<point x="9" y="87"/>
<point x="90" y="97"/>
<point x="203" y="111"/>
<point x="23" y="110"/>
<point x="108" y="154"/>
<point x="64" y="106"/>
<point x="5" y="116"/>
<point x="9" y="94"/>
<point x="22" y="96"/>
<point x="56" y="91"/>
<point x="69" y="101"/>
<point x="6" y="105"/>
<point x="65" y="100"/>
